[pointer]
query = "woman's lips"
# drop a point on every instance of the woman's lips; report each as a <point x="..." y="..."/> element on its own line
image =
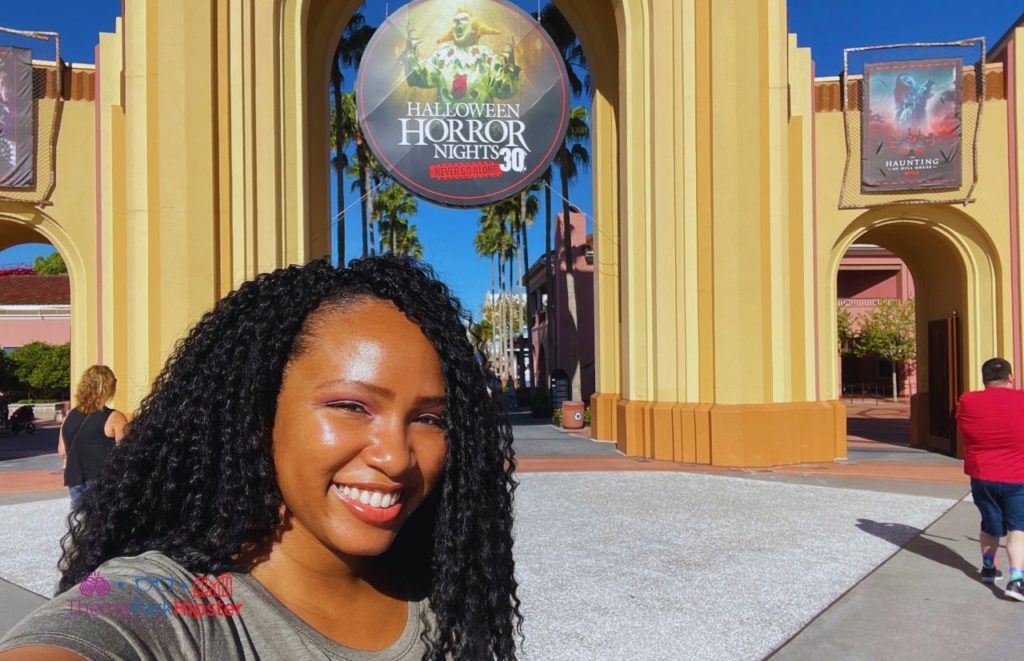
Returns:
<point x="367" y="512"/>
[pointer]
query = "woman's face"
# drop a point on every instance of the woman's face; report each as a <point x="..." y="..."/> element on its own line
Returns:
<point x="358" y="440"/>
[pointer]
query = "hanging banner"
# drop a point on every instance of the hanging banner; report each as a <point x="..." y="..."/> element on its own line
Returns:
<point x="464" y="102"/>
<point x="912" y="128"/>
<point x="17" y="132"/>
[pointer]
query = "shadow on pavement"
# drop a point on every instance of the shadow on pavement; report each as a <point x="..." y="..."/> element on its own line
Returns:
<point x="521" y="418"/>
<point x="919" y="543"/>
<point x="22" y="445"/>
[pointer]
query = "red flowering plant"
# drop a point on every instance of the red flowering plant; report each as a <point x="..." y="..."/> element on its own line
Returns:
<point x="16" y="270"/>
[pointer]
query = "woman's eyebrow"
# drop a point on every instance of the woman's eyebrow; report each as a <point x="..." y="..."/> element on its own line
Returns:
<point x="386" y="393"/>
<point x="381" y="391"/>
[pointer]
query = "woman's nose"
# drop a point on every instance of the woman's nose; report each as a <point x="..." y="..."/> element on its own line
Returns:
<point x="390" y="449"/>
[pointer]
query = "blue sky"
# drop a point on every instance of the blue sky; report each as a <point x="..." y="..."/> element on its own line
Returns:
<point x="447" y="235"/>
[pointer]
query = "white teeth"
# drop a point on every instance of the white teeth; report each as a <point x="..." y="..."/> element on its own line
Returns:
<point x="368" y="497"/>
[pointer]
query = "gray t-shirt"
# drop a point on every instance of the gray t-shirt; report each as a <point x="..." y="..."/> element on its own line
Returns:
<point x="150" y="607"/>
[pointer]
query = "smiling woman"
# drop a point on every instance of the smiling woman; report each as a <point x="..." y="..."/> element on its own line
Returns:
<point x="318" y="471"/>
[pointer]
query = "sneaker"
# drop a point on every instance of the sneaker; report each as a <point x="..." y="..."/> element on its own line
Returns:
<point x="990" y="574"/>
<point x="1015" y="589"/>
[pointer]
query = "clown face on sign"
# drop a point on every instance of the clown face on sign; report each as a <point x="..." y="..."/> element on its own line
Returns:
<point x="463" y="70"/>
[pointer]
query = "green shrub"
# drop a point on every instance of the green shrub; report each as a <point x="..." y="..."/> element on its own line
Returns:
<point x="556" y="416"/>
<point x="8" y="380"/>
<point x="52" y="264"/>
<point x="44" y="368"/>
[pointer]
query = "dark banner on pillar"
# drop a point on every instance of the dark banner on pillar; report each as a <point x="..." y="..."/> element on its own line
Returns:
<point x="464" y="102"/>
<point x="912" y="129"/>
<point x="17" y="132"/>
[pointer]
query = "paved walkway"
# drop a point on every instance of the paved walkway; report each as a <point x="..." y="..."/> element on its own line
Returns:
<point x="871" y="558"/>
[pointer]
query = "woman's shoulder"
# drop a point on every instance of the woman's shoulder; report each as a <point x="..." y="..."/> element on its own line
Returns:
<point x="149" y="563"/>
<point x="151" y="603"/>
<point x="125" y="600"/>
<point x="114" y="424"/>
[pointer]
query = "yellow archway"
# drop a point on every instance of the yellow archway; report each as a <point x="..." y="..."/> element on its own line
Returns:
<point x="956" y="269"/>
<point x="601" y="25"/>
<point x="34" y="226"/>
<point x="704" y="180"/>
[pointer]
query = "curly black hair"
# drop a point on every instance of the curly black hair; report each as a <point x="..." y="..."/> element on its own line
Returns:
<point x="194" y="477"/>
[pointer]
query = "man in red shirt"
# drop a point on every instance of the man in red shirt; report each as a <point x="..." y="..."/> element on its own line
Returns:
<point x="991" y="424"/>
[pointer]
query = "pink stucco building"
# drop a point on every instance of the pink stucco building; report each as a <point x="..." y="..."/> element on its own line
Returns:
<point x="552" y="333"/>
<point x="34" y="308"/>
<point x="869" y="274"/>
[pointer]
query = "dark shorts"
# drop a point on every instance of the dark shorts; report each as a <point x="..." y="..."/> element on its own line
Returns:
<point x="1001" y="505"/>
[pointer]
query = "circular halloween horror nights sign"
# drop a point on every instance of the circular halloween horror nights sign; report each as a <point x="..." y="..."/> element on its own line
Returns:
<point x="464" y="102"/>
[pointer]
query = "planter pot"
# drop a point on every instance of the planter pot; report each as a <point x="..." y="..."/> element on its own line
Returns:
<point x="572" y="415"/>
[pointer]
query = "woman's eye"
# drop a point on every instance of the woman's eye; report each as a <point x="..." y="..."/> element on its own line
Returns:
<point x="348" y="406"/>
<point x="430" y="419"/>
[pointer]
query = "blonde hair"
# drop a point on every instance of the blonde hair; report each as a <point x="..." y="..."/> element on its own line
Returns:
<point x="95" y="389"/>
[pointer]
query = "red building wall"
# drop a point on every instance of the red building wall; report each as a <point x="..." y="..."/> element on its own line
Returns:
<point x="551" y="354"/>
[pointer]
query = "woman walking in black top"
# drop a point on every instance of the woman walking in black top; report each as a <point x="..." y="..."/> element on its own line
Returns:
<point x="89" y="431"/>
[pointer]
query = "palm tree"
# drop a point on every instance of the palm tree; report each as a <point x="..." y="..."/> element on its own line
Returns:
<point x="496" y="239"/>
<point x="502" y="237"/>
<point x="343" y="131"/>
<point x="367" y="173"/>
<point x="549" y="273"/>
<point x="394" y="205"/>
<point x="343" y="118"/>
<point x="572" y="156"/>
<point x="529" y="206"/>
<point x="569" y="47"/>
<point x="492" y="238"/>
<point x="409" y="242"/>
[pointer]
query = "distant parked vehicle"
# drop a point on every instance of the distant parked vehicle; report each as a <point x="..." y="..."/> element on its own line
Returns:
<point x="23" y="418"/>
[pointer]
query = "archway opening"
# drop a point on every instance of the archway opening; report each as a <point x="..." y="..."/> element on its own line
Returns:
<point x="35" y="343"/>
<point x="514" y="285"/>
<point x="877" y="345"/>
<point x="946" y="268"/>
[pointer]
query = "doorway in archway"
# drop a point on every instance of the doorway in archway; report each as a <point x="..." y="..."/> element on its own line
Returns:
<point x="905" y="332"/>
<point x="875" y="299"/>
<point x="35" y="345"/>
